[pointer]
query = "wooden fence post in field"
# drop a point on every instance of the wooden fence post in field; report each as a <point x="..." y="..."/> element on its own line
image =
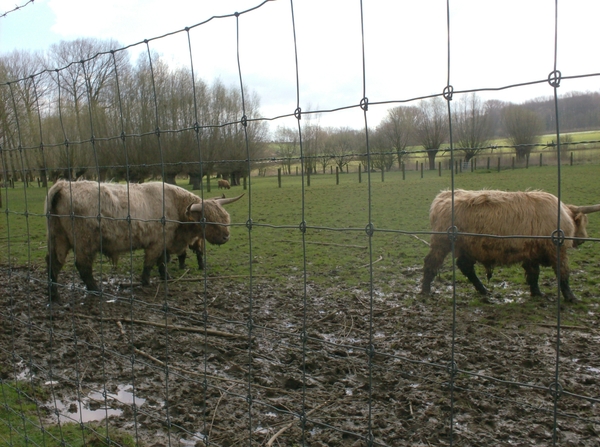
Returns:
<point x="244" y="182"/>
<point x="439" y="169"/>
<point x="382" y="174"/>
<point x="308" y="177"/>
<point x="403" y="172"/>
<point x="360" y="173"/>
<point x="279" y="177"/>
<point x="422" y="169"/>
<point x="527" y="162"/>
<point x="571" y="158"/>
<point x="208" y="183"/>
<point x="417" y="166"/>
<point x="488" y="163"/>
<point x="540" y="159"/>
<point x="296" y="170"/>
<point x="337" y="175"/>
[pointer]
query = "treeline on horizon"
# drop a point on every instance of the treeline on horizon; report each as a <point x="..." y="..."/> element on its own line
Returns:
<point x="103" y="116"/>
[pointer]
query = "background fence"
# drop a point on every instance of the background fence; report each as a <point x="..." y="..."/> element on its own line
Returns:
<point x="306" y="328"/>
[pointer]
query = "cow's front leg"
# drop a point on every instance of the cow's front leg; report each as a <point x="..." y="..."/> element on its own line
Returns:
<point x="162" y="269"/>
<point x="467" y="267"/>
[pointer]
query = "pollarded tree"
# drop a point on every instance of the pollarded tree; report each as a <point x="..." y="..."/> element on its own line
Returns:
<point x="382" y="154"/>
<point x="342" y="144"/>
<point x="522" y="127"/>
<point x="397" y="128"/>
<point x="286" y="140"/>
<point x="431" y="127"/>
<point x="471" y="125"/>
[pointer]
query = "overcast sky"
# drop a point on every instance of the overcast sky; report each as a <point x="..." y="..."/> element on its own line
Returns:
<point x="492" y="44"/>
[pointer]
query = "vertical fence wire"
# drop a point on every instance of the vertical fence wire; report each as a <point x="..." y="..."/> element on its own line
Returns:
<point x="452" y="231"/>
<point x="555" y="387"/>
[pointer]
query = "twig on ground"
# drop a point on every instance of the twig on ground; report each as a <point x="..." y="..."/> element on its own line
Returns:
<point x="371" y="263"/>
<point x="563" y="326"/>
<point x="291" y="424"/>
<point x="194" y="373"/>
<point x="126" y="285"/>
<point x="171" y="327"/>
<point x="215" y="412"/>
<point x="418" y="238"/>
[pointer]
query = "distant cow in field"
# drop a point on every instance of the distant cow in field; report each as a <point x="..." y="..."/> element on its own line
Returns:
<point x="223" y="184"/>
<point x="530" y="216"/>
<point x="90" y="217"/>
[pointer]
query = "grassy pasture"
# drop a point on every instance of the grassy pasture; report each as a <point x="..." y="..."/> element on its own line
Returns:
<point x="336" y="247"/>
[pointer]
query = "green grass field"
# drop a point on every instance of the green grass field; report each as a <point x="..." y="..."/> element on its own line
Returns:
<point x="335" y="244"/>
<point x="335" y="249"/>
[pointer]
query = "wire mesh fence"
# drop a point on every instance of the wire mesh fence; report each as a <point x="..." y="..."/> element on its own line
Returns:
<point x="307" y="326"/>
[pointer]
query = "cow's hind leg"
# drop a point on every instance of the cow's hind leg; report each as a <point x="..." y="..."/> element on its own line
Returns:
<point x="54" y="266"/>
<point x="467" y="267"/>
<point x="84" y="265"/>
<point x="434" y="260"/>
<point x="532" y="275"/>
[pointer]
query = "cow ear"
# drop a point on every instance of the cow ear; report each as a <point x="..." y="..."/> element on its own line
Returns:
<point x="188" y="212"/>
<point x="191" y="209"/>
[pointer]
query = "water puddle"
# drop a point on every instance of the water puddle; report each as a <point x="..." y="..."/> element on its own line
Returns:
<point x="94" y="407"/>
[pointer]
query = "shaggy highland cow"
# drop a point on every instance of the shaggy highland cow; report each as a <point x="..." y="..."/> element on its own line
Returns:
<point x="90" y="217"/>
<point x="520" y="228"/>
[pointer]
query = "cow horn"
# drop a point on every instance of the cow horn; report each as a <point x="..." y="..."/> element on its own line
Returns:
<point x="197" y="207"/>
<point x="586" y="209"/>
<point x="230" y="200"/>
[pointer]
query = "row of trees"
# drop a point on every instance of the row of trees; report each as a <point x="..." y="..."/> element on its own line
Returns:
<point x="474" y="124"/>
<point x="108" y="118"/>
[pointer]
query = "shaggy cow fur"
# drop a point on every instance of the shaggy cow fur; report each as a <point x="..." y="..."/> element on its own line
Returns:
<point x="519" y="228"/>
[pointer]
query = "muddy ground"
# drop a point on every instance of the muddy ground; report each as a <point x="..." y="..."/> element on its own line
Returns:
<point x="287" y="365"/>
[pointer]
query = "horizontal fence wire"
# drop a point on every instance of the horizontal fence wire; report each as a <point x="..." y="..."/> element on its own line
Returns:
<point x="270" y="356"/>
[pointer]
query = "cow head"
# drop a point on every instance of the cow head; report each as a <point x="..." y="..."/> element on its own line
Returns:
<point x="216" y="217"/>
<point x="579" y="215"/>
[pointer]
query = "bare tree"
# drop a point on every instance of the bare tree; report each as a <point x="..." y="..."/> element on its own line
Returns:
<point x="20" y="105"/>
<point x="471" y="125"/>
<point x="397" y="128"/>
<point x="432" y="127"/>
<point x="522" y="127"/>
<point x="382" y="154"/>
<point x="341" y="146"/>
<point x="312" y="142"/>
<point x="286" y="140"/>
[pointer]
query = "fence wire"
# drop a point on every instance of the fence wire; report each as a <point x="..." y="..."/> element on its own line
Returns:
<point x="212" y="387"/>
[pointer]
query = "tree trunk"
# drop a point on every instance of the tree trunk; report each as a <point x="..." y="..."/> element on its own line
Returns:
<point x="431" y="153"/>
<point x="170" y="178"/>
<point x="196" y="181"/>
